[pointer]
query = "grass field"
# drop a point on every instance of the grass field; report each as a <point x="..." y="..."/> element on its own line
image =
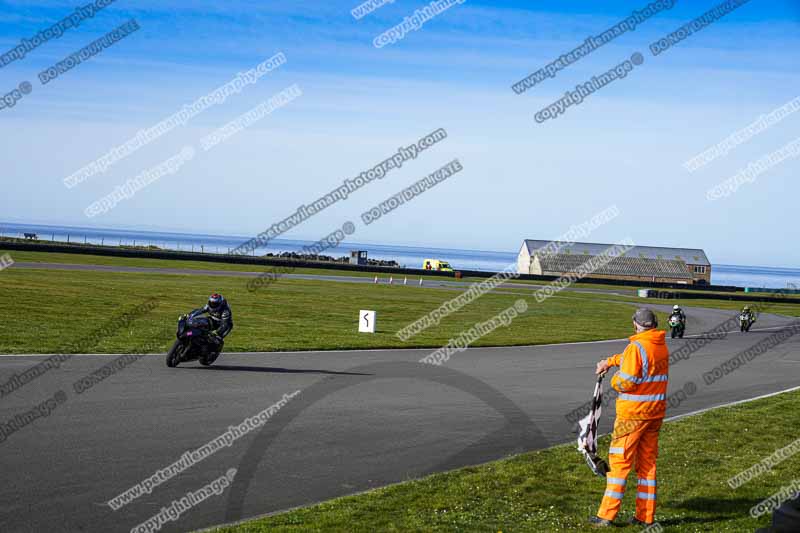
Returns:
<point x="288" y="315"/>
<point x="53" y="308"/>
<point x="553" y="490"/>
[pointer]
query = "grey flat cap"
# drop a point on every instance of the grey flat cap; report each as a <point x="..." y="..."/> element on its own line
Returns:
<point x="645" y="318"/>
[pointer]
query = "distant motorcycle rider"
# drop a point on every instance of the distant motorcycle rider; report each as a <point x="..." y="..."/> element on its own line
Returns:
<point x="678" y="312"/>
<point x="746" y="319"/>
<point x="220" y="315"/>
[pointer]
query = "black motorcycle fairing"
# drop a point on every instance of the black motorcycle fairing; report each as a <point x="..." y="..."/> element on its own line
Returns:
<point x="195" y="341"/>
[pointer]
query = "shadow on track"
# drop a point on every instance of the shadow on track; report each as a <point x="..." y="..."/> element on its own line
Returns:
<point x="519" y="433"/>
<point x="272" y="370"/>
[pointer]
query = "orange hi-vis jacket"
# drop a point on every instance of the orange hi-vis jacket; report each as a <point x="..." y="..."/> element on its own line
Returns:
<point x="642" y="377"/>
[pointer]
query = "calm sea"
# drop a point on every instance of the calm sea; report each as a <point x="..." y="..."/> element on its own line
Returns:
<point x="410" y="256"/>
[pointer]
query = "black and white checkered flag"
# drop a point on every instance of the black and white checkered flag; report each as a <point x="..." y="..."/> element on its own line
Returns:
<point x="587" y="432"/>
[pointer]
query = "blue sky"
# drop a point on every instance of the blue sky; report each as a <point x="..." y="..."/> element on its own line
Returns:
<point x="624" y="145"/>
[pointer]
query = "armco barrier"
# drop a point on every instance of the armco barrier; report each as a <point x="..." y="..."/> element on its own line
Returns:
<point x="91" y="249"/>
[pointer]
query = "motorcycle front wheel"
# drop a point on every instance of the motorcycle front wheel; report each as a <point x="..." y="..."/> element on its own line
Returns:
<point x="174" y="354"/>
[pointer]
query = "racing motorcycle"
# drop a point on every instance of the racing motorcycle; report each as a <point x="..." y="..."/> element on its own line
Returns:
<point x="194" y="343"/>
<point x="745" y="321"/>
<point x="677" y="326"/>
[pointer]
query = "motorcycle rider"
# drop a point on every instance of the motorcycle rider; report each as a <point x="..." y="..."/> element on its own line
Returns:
<point x="677" y="311"/>
<point x="220" y="315"/>
<point x="747" y="314"/>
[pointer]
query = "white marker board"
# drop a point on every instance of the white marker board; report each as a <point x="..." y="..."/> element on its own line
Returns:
<point x="366" y="321"/>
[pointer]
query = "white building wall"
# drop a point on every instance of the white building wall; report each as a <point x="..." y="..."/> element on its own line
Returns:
<point x="523" y="260"/>
<point x="536" y="266"/>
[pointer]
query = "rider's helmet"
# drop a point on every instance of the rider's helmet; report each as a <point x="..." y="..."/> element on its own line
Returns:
<point x="746" y="309"/>
<point x="215" y="301"/>
<point x="676" y="307"/>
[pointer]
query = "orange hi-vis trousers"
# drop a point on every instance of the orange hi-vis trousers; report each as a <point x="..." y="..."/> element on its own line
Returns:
<point x="633" y="441"/>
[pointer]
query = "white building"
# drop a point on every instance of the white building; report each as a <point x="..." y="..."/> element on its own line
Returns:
<point x="640" y="263"/>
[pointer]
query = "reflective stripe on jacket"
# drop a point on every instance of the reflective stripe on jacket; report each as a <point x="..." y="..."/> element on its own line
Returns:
<point x="642" y="377"/>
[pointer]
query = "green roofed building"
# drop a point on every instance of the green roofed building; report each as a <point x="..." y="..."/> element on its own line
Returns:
<point x="640" y="263"/>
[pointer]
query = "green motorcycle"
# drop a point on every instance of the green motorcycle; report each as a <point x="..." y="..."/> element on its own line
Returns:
<point x="746" y="321"/>
<point x="677" y="326"/>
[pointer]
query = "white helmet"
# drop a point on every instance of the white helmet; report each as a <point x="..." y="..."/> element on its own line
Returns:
<point x="676" y="307"/>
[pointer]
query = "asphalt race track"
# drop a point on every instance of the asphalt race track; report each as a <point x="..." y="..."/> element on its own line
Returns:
<point x="363" y="419"/>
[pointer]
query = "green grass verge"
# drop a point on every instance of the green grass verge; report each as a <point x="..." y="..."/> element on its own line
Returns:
<point x="52" y="308"/>
<point x="553" y="490"/>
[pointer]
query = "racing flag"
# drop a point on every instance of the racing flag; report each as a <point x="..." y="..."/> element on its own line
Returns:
<point x="587" y="432"/>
